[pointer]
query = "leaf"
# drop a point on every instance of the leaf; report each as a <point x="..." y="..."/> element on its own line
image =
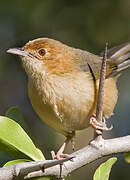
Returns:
<point x="9" y="163"/>
<point x="40" y="178"/>
<point x="103" y="171"/>
<point x="127" y="157"/>
<point x="15" y="141"/>
<point x="15" y="114"/>
<point x="40" y="154"/>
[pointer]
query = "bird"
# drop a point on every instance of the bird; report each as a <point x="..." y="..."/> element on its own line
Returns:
<point x="63" y="83"/>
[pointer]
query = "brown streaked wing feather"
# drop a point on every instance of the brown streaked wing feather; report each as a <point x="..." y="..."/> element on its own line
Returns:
<point x="92" y="63"/>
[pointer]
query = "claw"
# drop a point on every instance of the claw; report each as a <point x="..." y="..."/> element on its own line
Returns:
<point x="60" y="156"/>
<point x="60" y="153"/>
<point x="99" y="126"/>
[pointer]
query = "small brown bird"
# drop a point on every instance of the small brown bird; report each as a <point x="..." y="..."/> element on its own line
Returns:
<point x="63" y="82"/>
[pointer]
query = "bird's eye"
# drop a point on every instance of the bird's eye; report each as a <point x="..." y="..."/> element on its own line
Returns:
<point x="42" y="52"/>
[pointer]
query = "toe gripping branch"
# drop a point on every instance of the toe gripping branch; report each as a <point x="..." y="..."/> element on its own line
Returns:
<point x="99" y="127"/>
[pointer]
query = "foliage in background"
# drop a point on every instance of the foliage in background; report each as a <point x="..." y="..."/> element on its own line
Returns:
<point x="103" y="171"/>
<point x="15" y="141"/>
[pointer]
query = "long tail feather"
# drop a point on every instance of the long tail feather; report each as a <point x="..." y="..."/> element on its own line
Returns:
<point x="120" y="57"/>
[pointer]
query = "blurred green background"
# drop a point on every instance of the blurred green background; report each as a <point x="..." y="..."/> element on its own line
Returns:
<point x="86" y="24"/>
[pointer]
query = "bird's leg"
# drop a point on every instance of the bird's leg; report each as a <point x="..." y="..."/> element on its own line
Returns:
<point x="62" y="148"/>
<point x="99" y="127"/>
<point x="60" y="153"/>
<point x="73" y="142"/>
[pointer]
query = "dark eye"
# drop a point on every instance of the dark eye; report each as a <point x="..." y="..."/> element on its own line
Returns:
<point x="42" y="52"/>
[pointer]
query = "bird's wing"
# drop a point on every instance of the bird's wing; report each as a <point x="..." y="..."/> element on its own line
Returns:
<point x="92" y="63"/>
<point x="118" y="60"/>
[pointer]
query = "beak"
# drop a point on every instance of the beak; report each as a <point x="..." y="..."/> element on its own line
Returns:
<point x="17" y="51"/>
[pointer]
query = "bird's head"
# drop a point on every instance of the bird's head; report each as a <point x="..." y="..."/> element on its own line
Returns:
<point x="47" y="55"/>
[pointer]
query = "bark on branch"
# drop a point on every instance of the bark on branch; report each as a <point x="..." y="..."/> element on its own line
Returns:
<point x="82" y="157"/>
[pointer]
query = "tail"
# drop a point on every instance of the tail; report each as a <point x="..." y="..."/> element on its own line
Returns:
<point x="119" y="56"/>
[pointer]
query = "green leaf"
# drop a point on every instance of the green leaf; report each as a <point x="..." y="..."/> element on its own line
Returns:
<point x="40" y="154"/>
<point x="127" y="157"/>
<point x="15" y="141"/>
<point x="40" y="178"/>
<point x="9" y="163"/>
<point x="15" y="114"/>
<point x="103" y="171"/>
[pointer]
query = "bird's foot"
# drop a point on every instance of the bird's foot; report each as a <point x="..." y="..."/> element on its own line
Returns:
<point x="99" y="126"/>
<point x="59" y="155"/>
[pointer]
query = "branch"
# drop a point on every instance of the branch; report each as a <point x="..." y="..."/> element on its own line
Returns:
<point x="20" y="170"/>
<point x="83" y="156"/>
<point x="97" y="121"/>
<point x="99" y="109"/>
<point x="87" y="155"/>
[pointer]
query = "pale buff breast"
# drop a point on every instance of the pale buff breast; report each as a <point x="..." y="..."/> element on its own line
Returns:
<point x="65" y="104"/>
